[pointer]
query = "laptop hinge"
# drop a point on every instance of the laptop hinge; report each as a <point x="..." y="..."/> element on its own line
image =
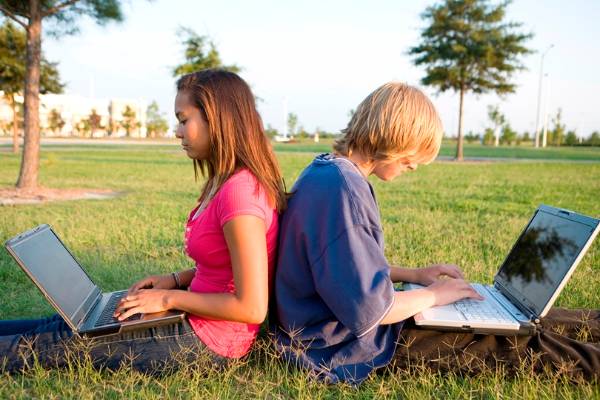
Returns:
<point x="90" y="307"/>
<point x="528" y="312"/>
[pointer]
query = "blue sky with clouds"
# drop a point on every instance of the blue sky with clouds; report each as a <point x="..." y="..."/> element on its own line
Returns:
<point x="324" y="57"/>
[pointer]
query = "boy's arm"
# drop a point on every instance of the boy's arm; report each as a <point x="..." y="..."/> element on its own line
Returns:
<point x="444" y="291"/>
<point x="402" y="274"/>
<point x="425" y="276"/>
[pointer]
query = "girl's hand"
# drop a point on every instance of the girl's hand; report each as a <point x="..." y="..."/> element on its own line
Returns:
<point x="429" y="275"/>
<point x="448" y="291"/>
<point x="144" y="301"/>
<point x="153" y="282"/>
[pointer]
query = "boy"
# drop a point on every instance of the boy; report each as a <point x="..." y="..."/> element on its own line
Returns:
<point x="337" y="313"/>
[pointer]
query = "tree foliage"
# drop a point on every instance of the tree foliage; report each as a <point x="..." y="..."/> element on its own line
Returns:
<point x="292" y="123"/>
<point x="571" y="138"/>
<point x="13" y="41"/>
<point x="199" y="53"/>
<point x="94" y="121"/>
<point x="55" y="121"/>
<point x="509" y="136"/>
<point x="156" y="123"/>
<point x="557" y="133"/>
<point x="12" y="63"/>
<point x="469" y="47"/>
<point x="129" y="120"/>
<point x="63" y="15"/>
<point x="498" y="120"/>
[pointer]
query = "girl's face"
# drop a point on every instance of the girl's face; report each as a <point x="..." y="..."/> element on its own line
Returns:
<point x="192" y="128"/>
<point x="388" y="170"/>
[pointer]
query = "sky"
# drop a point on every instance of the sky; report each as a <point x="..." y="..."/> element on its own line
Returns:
<point x="321" y="58"/>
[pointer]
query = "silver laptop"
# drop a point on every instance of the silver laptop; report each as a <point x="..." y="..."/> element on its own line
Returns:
<point x="527" y="283"/>
<point x="80" y="302"/>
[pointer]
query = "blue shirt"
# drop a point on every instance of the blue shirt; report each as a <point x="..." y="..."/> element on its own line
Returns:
<point x="332" y="281"/>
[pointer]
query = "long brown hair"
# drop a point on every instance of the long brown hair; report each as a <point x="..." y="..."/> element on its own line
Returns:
<point x="237" y="137"/>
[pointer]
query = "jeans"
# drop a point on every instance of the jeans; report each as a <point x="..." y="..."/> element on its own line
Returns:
<point x="51" y="343"/>
<point x="567" y="342"/>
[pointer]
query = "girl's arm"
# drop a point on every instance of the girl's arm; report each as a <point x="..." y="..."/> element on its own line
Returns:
<point x="246" y="241"/>
<point x="166" y="281"/>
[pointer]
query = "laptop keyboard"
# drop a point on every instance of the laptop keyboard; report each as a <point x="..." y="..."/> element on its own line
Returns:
<point x="476" y="310"/>
<point x="106" y="317"/>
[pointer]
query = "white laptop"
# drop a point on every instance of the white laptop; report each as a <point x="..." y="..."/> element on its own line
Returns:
<point x="527" y="283"/>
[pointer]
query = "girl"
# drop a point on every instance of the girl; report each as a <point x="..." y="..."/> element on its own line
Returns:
<point x="231" y="235"/>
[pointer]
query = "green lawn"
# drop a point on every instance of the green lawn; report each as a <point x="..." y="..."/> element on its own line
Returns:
<point x="475" y="151"/>
<point x="468" y="214"/>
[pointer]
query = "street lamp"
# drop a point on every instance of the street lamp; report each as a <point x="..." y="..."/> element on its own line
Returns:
<point x="537" y="119"/>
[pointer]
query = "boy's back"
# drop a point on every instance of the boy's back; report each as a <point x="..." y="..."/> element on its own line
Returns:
<point x="332" y="279"/>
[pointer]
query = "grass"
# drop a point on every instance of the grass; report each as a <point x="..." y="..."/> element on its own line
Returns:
<point x="472" y="150"/>
<point x="480" y="206"/>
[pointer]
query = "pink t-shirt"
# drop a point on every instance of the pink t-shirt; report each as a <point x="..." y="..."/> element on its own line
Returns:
<point x="205" y="243"/>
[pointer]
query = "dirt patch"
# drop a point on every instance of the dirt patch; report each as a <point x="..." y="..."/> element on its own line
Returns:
<point x="43" y="195"/>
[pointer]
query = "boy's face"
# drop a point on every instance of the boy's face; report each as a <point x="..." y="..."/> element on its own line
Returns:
<point x="387" y="170"/>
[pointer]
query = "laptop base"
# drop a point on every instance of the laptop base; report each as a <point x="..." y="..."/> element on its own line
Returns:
<point x="526" y="329"/>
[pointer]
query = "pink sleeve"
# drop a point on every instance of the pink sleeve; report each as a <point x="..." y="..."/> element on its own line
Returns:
<point x="242" y="195"/>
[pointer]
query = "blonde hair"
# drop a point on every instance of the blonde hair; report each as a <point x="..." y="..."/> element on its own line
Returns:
<point x="394" y="121"/>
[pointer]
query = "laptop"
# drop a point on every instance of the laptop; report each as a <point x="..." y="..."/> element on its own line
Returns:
<point x="528" y="282"/>
<point x="64" y="283"/>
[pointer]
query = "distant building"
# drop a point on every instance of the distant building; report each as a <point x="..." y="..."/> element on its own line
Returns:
<point x="114" y="117"/>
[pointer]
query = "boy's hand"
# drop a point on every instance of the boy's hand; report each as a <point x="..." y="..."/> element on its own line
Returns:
<point x="448" y="291"/>
<point x="429" y="275"/>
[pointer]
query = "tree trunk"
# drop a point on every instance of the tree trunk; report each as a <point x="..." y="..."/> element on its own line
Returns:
<point x="459" y="144"/>
<point x="30" y="161"/>
<point x="15" y="123"/>
<point x="497" y="136"/>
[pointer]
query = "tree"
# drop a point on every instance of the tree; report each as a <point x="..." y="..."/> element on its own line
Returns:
<point x="498" y="120"/>
<point x="557" y="133"/>
<point x="29" y="15"/>
<point x="55" y="121"/>
<point x="525" y="137"/>
<point x="468" y="47"/>
<point x="488" y="137"/>
<point x="129" y="121"/>
<point x="594" y="139"/>
<point x="83" y="127"/>
<point x="93" y="121"/>
<point x="156" y="123"/>
<point x="197" y="56"/>
<point x="292" y="122"/>
<point x="471" y="137"/>
<point x="271" y="132"/>
<point x="571" y="138"/>
<point x="508" y="135"/>
<point x="302" y="134"/>
<point x="13" y="43"/>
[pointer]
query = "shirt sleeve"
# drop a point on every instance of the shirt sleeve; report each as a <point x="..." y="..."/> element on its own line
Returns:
<point x="242" y="197"/>
<point x="352" y="277"/>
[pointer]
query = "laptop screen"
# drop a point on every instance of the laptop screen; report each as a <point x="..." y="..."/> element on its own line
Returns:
<point x="54" y="269"/>
<point x="542" y="257"/>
